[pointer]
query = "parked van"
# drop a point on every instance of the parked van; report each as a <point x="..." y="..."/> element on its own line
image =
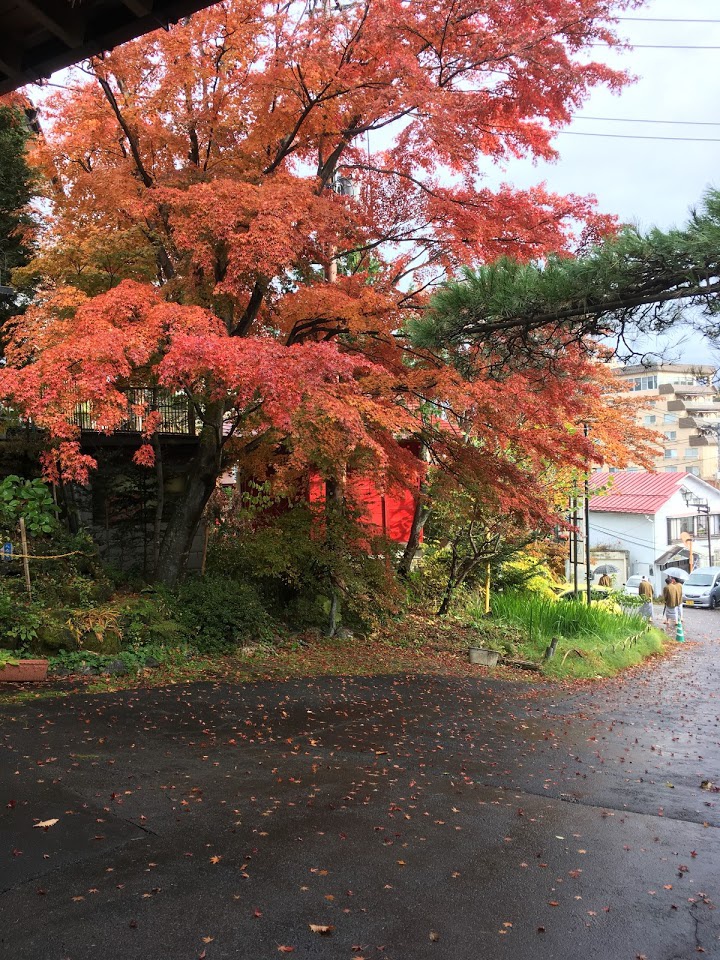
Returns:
<point x="702" y="588"/>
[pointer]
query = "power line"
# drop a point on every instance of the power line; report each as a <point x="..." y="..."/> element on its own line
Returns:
<point x="656" y="46"/>
<point x="635" y="136"/>
<point x="684" y="123"/>
<point x="661" y="20"/>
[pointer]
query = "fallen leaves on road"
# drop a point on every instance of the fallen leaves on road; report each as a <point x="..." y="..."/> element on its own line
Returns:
<point x="46" y="824"/>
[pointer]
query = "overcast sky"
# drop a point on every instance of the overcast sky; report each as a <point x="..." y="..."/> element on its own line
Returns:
<point x="648" y="182"/>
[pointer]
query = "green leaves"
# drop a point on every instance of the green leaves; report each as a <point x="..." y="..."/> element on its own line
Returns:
<point x="31" y="500"/>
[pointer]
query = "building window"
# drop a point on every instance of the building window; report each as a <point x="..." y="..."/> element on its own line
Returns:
<point x="695" y="525"/>
<point x="671" y="434"/>
<point x="692" y="453"/>
<point x="643" y="383"/>
<point x="695" y="471"/>
<point x="678" y="525"/>
<point x="670" y="418"/>
<point x="649" y="419"/>
<point x="671" y="454"/>
<point x="670" y="469"/>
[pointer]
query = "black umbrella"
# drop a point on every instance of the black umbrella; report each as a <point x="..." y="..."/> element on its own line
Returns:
<point x="605" y="568"/>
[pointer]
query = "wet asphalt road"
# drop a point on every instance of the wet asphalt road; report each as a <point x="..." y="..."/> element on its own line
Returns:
<point x="419" y="817"/>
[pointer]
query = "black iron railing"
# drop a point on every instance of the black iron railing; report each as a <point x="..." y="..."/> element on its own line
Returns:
<point x="176" y="413"/>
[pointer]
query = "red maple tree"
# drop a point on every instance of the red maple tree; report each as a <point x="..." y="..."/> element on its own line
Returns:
<point x="245" y="209"/>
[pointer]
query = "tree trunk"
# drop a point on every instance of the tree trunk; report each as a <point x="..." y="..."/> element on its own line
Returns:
<point x="334" y="503"/>
<point x="450" y="586"/>
<point x="423" y="509"/>
<point x="202" y="476"/>
<point x="420" y="517"/>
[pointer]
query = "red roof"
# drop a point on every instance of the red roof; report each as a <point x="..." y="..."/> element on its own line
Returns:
<point x="633" y="491"/>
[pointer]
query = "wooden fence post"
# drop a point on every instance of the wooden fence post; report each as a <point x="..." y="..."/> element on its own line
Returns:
<point x="26" y="561"/>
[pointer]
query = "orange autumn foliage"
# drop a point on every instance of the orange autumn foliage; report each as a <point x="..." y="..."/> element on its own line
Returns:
<point x="202" y="236"/>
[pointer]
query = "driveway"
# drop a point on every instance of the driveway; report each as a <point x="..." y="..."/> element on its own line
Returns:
<point x="403" y="818"/>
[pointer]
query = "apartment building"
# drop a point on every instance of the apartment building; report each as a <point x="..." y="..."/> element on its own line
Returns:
<point x="681" y="402"/>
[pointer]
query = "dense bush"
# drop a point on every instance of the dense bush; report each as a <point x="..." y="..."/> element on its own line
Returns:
<point x="297" y="559"/>
<point x="31" y="500"/>
<point x="428" y="581"/>
<point x="527" y="573"/>
<point x="133" y="659"/>
<point x="19" y="618"/>
<point x="219" y="613"/>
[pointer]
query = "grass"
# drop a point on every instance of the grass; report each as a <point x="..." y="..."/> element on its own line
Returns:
<point x="592" y="641"/>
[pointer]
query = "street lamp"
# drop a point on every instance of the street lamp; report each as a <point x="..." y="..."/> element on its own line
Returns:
<point x="703" y="508"/>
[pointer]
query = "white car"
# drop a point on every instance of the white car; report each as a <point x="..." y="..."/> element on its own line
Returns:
<point x="631" y="586"/>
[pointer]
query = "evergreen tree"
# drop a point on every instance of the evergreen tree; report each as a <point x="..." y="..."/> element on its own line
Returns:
<point x="16" y="190"/>
<point x="632" y="283"/>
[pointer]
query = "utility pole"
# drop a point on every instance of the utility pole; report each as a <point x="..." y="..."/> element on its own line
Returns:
<point x="586" y="431"/>
<point x="703" y="509"/>
<point x="575" y="543"/>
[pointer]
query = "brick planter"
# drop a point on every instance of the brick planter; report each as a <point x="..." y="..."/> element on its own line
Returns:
<point x="27" y="671"/>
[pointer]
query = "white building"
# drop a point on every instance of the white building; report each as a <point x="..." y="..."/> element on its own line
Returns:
<point x="681" y="403"/>
<point x="647" y="516"/>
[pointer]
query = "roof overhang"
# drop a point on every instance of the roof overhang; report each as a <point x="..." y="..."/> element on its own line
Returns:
<point x="41" y="36"/>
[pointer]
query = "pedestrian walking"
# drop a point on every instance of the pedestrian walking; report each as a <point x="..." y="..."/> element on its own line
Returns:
<point x="605" y="581"/>
<point x="646" y="592"/>
<point x="672" y="597"/>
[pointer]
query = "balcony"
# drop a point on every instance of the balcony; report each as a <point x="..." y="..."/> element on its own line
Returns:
<point x="176" y="412"/>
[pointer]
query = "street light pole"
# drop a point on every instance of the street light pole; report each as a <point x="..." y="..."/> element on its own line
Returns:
<point x="703" y="509"/>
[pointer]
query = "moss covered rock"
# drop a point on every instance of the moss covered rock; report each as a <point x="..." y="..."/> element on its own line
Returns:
<point x="106" y="641"/>
<point x="54" y="635"/>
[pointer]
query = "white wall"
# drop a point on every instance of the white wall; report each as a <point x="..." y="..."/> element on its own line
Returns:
<point x="634" y="532"/>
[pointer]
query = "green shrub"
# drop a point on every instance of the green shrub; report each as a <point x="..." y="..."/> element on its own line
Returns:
<point x="19" y="619"/>
<point x="31" y="500"/>
<point x="147" y="619"/>
<point x="218" y="613"/>
<point x="524" y="572"/>
<point x="294" y="561"/>
<point x="134" y="658"/>
<point x="8" y="658"/>
<point x="428" y="580"/>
